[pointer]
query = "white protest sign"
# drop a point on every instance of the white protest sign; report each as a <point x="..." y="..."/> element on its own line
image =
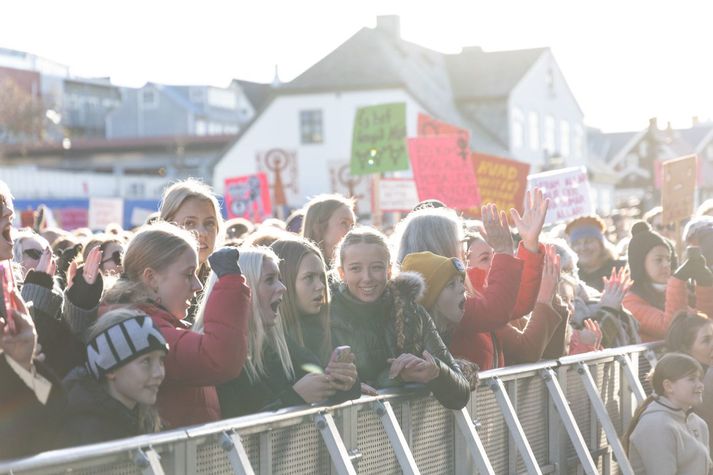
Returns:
<point x="397" y="194"/>
<point x="140" y="215"/>
<point x="104" y="211"/>
<point x="568" y="191"/>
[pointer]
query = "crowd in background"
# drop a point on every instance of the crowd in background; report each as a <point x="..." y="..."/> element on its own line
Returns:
<point x="190" y="319"/>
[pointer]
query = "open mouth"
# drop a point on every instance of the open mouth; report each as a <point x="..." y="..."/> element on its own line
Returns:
<point x="274" y="305"/>
<point x="7" y="233"/>
<point x="461" y="305"/>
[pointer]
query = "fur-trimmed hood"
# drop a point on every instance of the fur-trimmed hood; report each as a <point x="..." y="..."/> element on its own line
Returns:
<point x="408" y="286"/>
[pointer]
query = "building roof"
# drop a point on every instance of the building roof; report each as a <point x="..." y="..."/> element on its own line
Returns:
<point x="695" y="137"/>
<point x="256" y="92"/>
<point x="606" y="146"/>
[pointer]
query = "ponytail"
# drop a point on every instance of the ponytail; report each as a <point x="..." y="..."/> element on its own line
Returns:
<point x="635" y="421"/>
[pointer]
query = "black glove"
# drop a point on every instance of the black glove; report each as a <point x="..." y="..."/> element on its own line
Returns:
<point x="701" y="273"/>
<point x="225" y="261"/>
<point x="684" y="271"/>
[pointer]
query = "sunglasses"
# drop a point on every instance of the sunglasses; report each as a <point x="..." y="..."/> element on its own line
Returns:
<point x="115" y="256"/>
<point x="33" y="253"/>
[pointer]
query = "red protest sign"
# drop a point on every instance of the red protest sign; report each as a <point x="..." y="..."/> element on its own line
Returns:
<point x="500" y="181"/>
<point x="248" y="197"/>
<point x="441" y="172"/>
<point x="427" y="126"/>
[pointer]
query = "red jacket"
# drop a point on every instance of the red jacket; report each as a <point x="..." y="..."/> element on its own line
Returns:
<point x="512" y="286"/>
<point x="653" y="322"/>
<point x="196" y="362"/>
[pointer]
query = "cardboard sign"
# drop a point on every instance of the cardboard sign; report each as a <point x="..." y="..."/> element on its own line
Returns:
<point x="678" y="189"/>
<point x="427" y="126"/>
<point x="568" y="191"/>
<point x="379" y="139"/>
<point x="441" y="172"/>
<point x="105" y="211"/>
<point x="397" y="194"/>
<point x="248" y="197"/>
<point x="500" y="181"/>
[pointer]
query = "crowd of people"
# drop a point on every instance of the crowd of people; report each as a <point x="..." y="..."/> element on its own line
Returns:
<point x="189" y="319"/>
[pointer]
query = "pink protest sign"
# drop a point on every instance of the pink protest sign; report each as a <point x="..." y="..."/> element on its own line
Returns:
<point x="248" y="197"/>
<point x="441" y="171"/>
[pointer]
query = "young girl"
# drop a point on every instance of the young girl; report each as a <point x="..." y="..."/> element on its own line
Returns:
<point x="160" y="279"/>
<point x="327" y="219"/>
<point x="656" y="296"/>
<point x="278" y="372"/>
<point x="664" y="436"/>
<point x="692" y="334"/>
<point x="392" y="336"/>
<point x="305" y="306"/>
<point x="113" y="395"/>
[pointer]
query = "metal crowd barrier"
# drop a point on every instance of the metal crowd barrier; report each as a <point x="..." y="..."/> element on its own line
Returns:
<point x="563" y="416"/>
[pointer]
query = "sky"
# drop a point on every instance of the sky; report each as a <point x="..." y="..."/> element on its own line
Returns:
<point x="625" y="61"/>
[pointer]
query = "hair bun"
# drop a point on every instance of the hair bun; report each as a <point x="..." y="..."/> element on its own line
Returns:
<point x="640" y="227"/>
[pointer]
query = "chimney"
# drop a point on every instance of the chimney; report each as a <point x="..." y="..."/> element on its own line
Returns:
<point x="389" y="24"/>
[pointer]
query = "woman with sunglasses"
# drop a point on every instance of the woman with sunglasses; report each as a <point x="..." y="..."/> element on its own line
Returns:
<point x="112" y="252"/>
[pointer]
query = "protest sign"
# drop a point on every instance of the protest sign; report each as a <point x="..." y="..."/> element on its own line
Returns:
<point x="568" y="191"/>
<point x="397" y="194"/>
<point x="678" y="189"/>
<point x="105" y="211"/>
<point x="428" y="126"/>
<point x="500" y="181"/>
<point x="248" y="197"/>
<point x="140" y="215"/>
<point x="379" y="139"/>
<point x="441" y="172"/>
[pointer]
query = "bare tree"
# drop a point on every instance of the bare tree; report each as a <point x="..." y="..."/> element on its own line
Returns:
<point x="22" y="115"/>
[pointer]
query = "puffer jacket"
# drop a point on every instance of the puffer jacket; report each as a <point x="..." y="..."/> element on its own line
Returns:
<point x="92" y="415"/>
<point x="371" y="330"/>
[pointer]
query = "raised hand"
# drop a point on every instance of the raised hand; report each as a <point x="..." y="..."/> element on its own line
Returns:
<point x="550" y="276"/>
<point x="91" y="265"/>
<point x="591" y="334"/>
<point x="46" y="263"/>
<point x="529" y="225"/>
<point x="71" y="272"/>
<point x="495" y="229"/>
<point x="615" y="288"/>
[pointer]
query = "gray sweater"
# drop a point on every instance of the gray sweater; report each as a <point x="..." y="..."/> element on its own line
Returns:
<point x="668" y="441"/>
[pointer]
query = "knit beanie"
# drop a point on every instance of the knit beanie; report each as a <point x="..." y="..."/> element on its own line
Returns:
<point x="436" y="270"/>
<point x="122" y="343"/>
<point x="643" y="239"/>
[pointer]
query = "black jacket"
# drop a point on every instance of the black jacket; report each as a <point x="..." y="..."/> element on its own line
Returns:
<point x="370" y="330"/>
<point x="274" y="391"/>
<point x="92" y="415"/>
<point x="27" y="426"/>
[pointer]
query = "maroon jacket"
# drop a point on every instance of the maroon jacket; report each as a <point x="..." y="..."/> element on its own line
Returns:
<point x="197" y="362"/>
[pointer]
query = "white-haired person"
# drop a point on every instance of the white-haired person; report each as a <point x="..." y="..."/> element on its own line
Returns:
<point x="278" y="371"/>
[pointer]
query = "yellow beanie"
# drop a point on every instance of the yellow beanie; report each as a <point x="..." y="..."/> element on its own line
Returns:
<point x="436" y="270"/>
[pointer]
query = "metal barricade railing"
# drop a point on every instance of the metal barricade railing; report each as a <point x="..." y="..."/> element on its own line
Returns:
<point x="560" y="416"/>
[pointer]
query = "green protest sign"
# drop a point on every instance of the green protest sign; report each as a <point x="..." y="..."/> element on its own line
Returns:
<point x="379" y="140"/>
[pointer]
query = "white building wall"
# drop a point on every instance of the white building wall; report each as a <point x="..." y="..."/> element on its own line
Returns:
<point x="279" y="127"/>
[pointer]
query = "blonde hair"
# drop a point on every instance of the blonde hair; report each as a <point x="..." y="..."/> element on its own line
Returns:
<point x="437" y="230"/>
<point x="149" y="419"/>
<point x="251" y="260"/>
<point x="155" y="246"/>
<point x="291" y="251"/>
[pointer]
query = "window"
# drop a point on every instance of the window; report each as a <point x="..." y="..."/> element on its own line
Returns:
<point x="201" y="127"/>
<point x="534" y="130"/>
<point x="222" y="98"/>
<point x="518" y="129"/>
<point x="149" y="99"/>
<point x="550" y="134"/>
<point x="311" y="126"/>
<point x="565" y="148"/>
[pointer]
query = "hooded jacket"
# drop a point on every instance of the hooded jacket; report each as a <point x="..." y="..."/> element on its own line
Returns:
<point x="668" y="440"/>
<point x="92" y="415"/>
<point x="390" y="326"/>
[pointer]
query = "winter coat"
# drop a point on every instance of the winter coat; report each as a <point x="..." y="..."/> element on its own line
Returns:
<point x="274" y="390"/>
<point x="526" y="339"/>
<point x="669" y="441"/>
<point x="62" y="349"/>
<point x="196" y="362"/>
<point x="653" y="321"/>
<point x="705" y="410"/>
<point x="370" y="330"/>
<point x="595" y="279"/>
<point x="27" y="426"/>
<point x="92" y="415"/>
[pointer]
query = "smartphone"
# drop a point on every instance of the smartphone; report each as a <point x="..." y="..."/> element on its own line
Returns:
<point x="7" y="280"/>
<point x="341" y="354"/>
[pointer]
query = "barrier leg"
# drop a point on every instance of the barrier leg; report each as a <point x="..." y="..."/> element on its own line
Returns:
<point x="632" y="378"/>
<point x="603" y="417"/>
<point x="335" y="446"/>
<point x="473" y="442"/>
<point x="396" y="437"/>
<point x="513" y="423"/>
<point x="233" y="444"/>
<point x="568" y="421"/>
<point x="148" y="460"/>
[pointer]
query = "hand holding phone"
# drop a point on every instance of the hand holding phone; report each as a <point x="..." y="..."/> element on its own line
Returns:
<point x="342" y="354"/>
